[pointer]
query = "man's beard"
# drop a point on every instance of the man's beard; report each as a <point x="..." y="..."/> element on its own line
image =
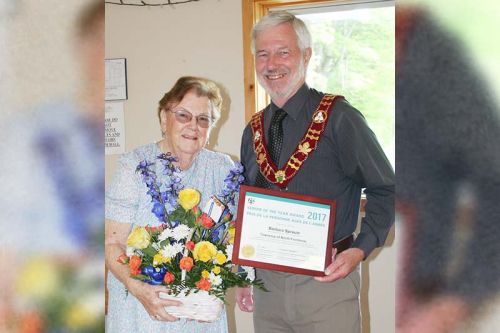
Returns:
<point x="289" y="88"/>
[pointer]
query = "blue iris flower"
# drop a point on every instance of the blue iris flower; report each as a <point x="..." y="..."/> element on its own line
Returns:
<point x="158" y="210"/>
<point x="218" y="233"/>
<point x="158" y="274"/>
<point x="152" y="192"/>
<point x="172" y="201"/>
<point x="148" y="270"/>
<point x="148" y="180"/>
<point x="165" y="195"/>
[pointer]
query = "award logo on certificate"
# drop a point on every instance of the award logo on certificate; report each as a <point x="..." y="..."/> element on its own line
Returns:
<point x="284" y="231"/>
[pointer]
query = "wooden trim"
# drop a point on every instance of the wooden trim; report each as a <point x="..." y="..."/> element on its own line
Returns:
<point x="252" y="10"/>
<point x="248" y="64"/>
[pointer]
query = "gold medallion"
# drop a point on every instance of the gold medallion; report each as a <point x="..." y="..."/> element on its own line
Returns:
<point x="319" y="116"/>
<point x="280" y="176"/>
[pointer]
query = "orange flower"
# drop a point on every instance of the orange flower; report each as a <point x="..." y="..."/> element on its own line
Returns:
<point x="135" y="265"/>
<point x="122" y="259"/>
<point x="186" y="263"/>
<point x="196" y="210"/>
<point x="190" y="245"/>
<point x="203" y="284"/>
<point x="168" y="278"/>
<point x="206" y="221"/>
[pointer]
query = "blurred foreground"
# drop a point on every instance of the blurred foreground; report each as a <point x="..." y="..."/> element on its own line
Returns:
<point x="52" y="166"/>
<point x="448" y="179"/>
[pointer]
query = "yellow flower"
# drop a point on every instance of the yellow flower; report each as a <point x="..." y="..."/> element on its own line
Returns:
<point x="231" y="231"/>
<point x="39" y="278"/>
<point x="205" y="274"/>
<point x="220" y="258"/>
<point x="204" y="251"/>
<point x="188" y="198"/>
<point x="216" y="270"/>
<point x="159" y="259"/>
<point x="139" y="238"/>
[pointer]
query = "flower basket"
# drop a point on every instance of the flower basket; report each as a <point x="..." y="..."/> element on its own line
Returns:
<point x="190" y="251"/>
<point x="196" y="305"/>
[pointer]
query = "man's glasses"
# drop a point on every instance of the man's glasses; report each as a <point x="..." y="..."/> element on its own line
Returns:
<point x="184" y="117"/>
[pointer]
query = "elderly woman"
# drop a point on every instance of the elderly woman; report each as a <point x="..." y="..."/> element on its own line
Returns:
<point x="187" y="113"/>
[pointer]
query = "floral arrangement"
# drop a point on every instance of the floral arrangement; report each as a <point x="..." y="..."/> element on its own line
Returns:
<point x="191" y="250"/>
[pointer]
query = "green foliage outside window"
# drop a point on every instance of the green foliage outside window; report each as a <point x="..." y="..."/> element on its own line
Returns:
<point x="353" y="55"/>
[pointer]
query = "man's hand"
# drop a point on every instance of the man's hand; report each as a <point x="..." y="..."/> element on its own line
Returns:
<point x="342" y="264"/>
<point x="244" y="298"/>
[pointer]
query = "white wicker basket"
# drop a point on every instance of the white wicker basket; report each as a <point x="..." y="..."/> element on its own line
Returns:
<point x="197" y="306"/>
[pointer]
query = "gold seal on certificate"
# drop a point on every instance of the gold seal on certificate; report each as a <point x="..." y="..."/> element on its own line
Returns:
<point x="284" y="231"/>
<point x="247" y="251"/>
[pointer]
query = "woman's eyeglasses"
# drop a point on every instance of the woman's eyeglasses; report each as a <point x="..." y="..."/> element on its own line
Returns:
<point x="184" y="117"/>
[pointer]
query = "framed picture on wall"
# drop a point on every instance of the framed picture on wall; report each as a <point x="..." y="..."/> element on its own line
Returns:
<point x="116" y="79"/>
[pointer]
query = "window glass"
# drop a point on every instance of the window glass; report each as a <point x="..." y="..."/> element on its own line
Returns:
<point x="353" y="55"/>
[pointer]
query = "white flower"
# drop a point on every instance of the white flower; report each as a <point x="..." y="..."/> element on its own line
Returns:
<point x="181" y="231"/>
<point x="167" y="233"/>
<point x="179" y="247"/>
<point x="215" y="280"/>
<point x="250" y="272"/>
<point x="229" y="252"/>
<point x="171" y="250"/>
<point x="130" y="251"/>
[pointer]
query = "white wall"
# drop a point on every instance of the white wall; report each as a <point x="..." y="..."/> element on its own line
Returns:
<point x="161" y="44"/>
<point x="205" y="38"/>
<point x="38" y="57"/>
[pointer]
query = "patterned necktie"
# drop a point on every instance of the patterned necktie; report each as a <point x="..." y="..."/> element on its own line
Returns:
<point x="274" y="144"/>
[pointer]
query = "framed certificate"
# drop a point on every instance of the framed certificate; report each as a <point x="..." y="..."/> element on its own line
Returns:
<point x="284" y="231"/>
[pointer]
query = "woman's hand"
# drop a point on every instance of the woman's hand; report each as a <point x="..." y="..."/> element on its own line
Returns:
<point x="244" y="298"/>
<point x="149" y="297"/>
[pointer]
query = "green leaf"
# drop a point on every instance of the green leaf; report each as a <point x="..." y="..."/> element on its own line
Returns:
<point x="190" y="219"/>
<point x="149" y="251"/>
<point x="179" y="214"/>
